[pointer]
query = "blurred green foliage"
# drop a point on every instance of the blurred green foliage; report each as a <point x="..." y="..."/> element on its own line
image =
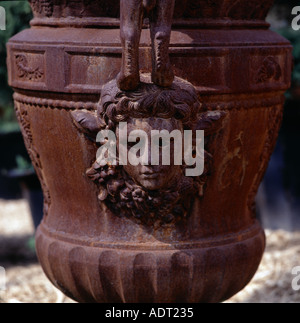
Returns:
<point x="18" y="15"/>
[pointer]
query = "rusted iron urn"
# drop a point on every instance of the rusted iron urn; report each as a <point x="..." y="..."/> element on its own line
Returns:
<point x="107" y="235"/>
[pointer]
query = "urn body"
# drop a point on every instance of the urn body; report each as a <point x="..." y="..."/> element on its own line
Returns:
<point x="237" y="65"/>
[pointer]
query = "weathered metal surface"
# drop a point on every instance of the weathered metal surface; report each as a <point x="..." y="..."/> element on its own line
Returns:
<point x="240" y="70"/>
<point x="132" y="14"/>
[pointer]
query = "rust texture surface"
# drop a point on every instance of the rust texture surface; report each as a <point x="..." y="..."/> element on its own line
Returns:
<point x="109" y="235"/>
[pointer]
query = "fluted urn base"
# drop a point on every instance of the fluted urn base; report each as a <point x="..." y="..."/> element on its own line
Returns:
<point x="208" y="270"/>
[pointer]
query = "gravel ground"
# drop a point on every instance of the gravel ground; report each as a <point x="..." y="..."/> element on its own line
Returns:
<point x="25" y="280"/>
<point x="27" y="283"/>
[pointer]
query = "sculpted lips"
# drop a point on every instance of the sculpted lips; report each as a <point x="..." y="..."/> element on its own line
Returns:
<point x="150" y="175"/>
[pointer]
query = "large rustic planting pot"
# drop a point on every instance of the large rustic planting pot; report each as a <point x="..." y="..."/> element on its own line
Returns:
<point x="239" y="68"/>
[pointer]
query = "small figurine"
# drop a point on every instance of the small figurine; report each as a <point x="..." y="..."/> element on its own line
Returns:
<point x="160" y="13"/>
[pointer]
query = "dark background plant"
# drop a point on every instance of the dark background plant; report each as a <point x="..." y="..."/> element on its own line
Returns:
<point x="18" y="15"/>
<point x="13" y="152"/>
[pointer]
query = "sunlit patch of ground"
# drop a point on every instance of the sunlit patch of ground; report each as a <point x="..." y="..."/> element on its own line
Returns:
<point x="273" y="281"/>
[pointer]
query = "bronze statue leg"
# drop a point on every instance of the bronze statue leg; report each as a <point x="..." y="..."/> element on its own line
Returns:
<point x="161" y="24"/>
<point x="131" y="27"/>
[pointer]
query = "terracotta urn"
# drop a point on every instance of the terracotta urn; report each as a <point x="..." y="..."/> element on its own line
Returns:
<point x="121" y="234"/>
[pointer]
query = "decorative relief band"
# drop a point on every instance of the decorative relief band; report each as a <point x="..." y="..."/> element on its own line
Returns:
<point x="55" y="104"/>
<point x="255" y="10"/>
<point x="273" y="99"/>
<point x="248" y="233"/>
<point x="269" y="100"/>
<point x="100" y="22"/>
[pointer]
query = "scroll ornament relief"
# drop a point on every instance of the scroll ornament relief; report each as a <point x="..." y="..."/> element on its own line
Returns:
<point x="24" y="71"/>
<point x="236" y="161"/>
<point x="269" y="70"/>
<point x="274" y="123"/>
<point x="42" y="7"/>
<point x="23" y="117"/>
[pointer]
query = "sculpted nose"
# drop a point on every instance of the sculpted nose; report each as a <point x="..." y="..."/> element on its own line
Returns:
<point x="150" y="169"/>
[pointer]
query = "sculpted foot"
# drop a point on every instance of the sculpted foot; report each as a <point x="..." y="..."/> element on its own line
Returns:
<point x="163" y="77"/>
<point x="128" y="82"/>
